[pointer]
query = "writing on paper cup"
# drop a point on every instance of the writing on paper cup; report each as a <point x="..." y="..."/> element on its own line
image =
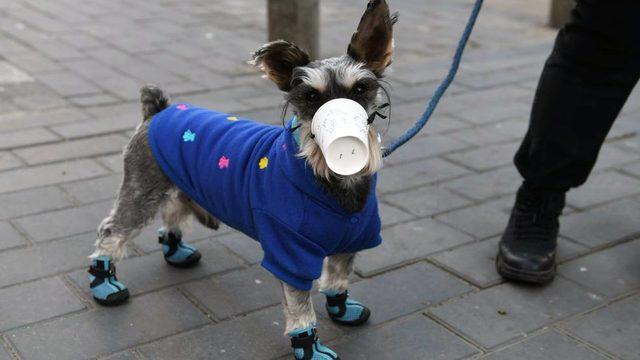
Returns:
<point x="341" y="130"/>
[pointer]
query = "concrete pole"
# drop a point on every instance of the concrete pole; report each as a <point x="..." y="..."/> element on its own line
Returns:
<point x="560" y="11"/>
<point x="296" y="21"/>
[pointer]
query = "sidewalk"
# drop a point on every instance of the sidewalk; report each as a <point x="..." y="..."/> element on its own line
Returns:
<point x="69" y="78"/>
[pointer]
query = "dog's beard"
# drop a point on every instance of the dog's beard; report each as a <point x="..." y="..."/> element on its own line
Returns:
<point x="310" y="151"/>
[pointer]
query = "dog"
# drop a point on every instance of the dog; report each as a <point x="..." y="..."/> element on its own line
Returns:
<point x="270" y="182"/>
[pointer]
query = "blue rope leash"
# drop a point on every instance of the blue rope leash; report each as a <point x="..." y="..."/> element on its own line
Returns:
<point x="442" y="88"/>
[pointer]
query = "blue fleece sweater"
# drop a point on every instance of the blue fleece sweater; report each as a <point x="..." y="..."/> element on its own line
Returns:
<point x="248" y="175"/>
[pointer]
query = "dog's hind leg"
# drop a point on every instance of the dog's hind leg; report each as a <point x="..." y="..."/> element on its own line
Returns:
<point x="301" y="325"/>
<point x="144" y="189"/>
<point x="334" y="283"/>
<point x="175" y="213"/>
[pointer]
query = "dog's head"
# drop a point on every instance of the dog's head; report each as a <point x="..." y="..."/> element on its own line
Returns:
<point x="356" y="76"/>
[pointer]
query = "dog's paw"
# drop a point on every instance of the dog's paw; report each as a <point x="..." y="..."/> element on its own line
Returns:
<point x="105" y="287"/>
<point x="307" y="346"/>
<point x="345" y="311"/>
<point x="177" y="252"/>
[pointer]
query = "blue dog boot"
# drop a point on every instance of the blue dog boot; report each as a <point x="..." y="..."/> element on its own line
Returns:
<point x="306" y="346"/>
<point x="177" y="252"/>
<point x="104" y="285"/>
<point x="345" y="311"/>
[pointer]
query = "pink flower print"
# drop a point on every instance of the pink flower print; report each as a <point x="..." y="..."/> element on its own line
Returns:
<point x="284" y="147"/>
<point x="182" y="107"/>
<point x="223" y="162"/>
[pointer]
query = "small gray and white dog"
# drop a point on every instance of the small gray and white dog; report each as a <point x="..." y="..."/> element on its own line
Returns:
<point x="146" y="189"/>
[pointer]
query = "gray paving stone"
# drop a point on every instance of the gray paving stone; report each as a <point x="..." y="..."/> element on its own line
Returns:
<point x="109" y="329"/>
<point x="391" y="215"/>
<point x="613" y="328"/>
<point x="417" y="173"/>
<point x="495" y="112"/>
<point x="150" y="272"/>
<point x="480" y="221"/>
<point x="228" y="340"/>
<point x="487" y="185"/>
<point x="610" y="272"/>
<point x="14" y="180"/>
<point x="424" y="147"/>
<point x="603" y="187"/>
<point x="10" y="237"/>
<point x="475" y="262"/>
<point x="426" y="201"/>
<point x="13" y="139"/>
<point x="613" y="157"/>
<point x="32" y="201"/>
<point x="98" y="189"/>
<point x="93" y="100"/>
<point x="101" y="125"/>
<point x="112" y="162"/>
<point x="62" y="223"/>
<point x="245" y="247"/>
<point x="415" y="337"/>
<point x="550" y="345"/>
<point x="73" y="149"/>
<point x="125" y="355"/>
<point x="486" y="157"/>
<point x="504" y="131"/>
<point x="35" y="301"/>
<point x="4" y="355"/>
<point x="408" y="242"/>
<point x="525" y="309"/>
<point x="9" y="161"/>
<point x="604" y="224"/>
<point x="68" y="84"/>
<point x="237" y="292"/>
<point x="401" y="292"/>
<point x="29" y="119"/>
<point x="44" y="260"/>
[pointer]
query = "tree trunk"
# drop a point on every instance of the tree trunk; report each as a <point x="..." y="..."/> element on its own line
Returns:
<point x="560" y="12"/>
<point x="296" y="21"/>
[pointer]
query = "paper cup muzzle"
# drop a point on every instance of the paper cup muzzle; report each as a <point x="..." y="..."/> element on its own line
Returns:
<point x="341" y="130"/>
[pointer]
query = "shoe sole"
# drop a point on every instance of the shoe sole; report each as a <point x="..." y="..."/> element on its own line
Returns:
<point x="512" y="273"/>
<point x="114" y="299"/>
<point x="366" y="313"/>
<point x="190" y="261"/>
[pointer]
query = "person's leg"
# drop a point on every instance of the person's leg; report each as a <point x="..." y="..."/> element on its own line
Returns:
<point x="585" y="82"/>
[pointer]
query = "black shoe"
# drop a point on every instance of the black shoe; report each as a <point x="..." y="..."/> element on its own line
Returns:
<point x="527" y="249"/>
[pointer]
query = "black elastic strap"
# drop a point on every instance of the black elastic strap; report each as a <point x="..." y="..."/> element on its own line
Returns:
<point x="102" y="273"/>
<point x="171" y="240"/>
<point x="376" y="112"/>
<point x="340" y="301"/>
<point x="304" y="341"/>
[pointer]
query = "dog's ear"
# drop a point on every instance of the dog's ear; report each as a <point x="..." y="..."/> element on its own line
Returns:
<point x="278" y="59"/>
<point x="372" y="43"/>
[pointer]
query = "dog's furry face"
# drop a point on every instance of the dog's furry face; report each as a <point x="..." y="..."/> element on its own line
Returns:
<point x="356" y="76"/>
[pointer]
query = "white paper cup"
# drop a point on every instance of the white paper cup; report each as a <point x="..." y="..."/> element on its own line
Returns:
<point x="341" y="130"/>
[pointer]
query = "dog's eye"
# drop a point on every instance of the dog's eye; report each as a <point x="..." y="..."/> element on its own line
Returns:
<point x="359" y="89"/>
<point x="313" y="95"/>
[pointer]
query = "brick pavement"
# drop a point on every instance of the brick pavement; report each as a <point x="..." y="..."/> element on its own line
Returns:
<point x="69" y="76"/>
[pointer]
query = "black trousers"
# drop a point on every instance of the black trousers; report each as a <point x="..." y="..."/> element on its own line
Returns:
<point x="586" y="80"/>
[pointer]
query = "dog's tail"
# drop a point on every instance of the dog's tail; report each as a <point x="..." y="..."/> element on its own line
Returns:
<point x="153" y="100"/>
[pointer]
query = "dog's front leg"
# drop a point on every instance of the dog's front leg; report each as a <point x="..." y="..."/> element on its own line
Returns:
<point x="334" y="283"/>
<point x="301" y="325"/>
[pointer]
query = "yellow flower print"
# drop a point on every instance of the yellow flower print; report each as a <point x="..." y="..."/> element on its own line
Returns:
<point x="264" y="162"/>
<point x="232" y="118"/>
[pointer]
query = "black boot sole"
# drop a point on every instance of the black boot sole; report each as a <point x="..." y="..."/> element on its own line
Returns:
<point x="366" y="313"/>
<point x="114" y="299"/>
<point x="512" y="273"/>
<point x="190" y="261"/>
